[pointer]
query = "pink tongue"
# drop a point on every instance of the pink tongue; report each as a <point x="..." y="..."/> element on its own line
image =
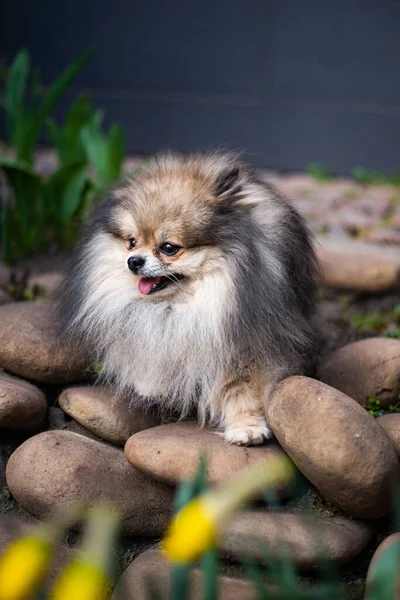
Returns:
<point x="146" y="284"/>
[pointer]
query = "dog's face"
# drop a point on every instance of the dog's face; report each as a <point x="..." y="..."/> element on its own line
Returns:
<point x="164" y="225"/>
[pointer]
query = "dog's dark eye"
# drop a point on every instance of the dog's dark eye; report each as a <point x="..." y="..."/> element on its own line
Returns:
<point x="131" y="243"/>
<point x="169" y="249"/>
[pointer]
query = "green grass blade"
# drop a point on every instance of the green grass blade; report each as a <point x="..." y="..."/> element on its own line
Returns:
<point x="180" y="574"/>
<point x="14" y="96"/>
<point x="210" y="564"/>
<point x="49" y="101"/>
<point x="201" y="477"/>
<point x="190" y="488"/>
<point x="185" y="492"/>
<point x="180" y="582"/>
<point x="254" y="573"/>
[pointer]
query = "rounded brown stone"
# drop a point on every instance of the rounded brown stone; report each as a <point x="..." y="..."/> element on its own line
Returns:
<point x="58" y="419"/>
<point x="31" y="347"/>
<point x="56" y="468"/>
<point x="336" y="444"/>
<point x="171" y="453"/>
<point x="97" y="409"/>
<point x="379" y="579"/>
<point x="22" y="405"/>
<point x="364" y="369"/>
<point x="391" y="425"/>
<point x="151" y="567"/>
<point x="368" y="273"/>
<point x="306" y="539"/>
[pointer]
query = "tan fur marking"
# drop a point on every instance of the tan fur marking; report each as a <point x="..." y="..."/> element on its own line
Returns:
<point x="241" y="408"/>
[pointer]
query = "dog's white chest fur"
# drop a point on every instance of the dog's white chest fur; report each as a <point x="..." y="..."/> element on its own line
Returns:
<point x="169" y="351"/>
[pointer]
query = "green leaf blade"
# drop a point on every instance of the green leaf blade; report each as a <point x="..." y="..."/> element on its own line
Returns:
<point x="21" y="223"/>
<point x="14" y="95"/>
<point x="49" y="101"/>
<point x="64" y="190"/>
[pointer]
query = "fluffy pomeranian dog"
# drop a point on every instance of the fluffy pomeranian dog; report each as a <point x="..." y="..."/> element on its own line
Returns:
<point x="194" y="287"/>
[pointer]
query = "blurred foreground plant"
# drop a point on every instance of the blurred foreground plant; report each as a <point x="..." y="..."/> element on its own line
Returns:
<point x="89" y="574"/>
<point x="192" y="534"/>
<point x="41" y="212"/>
<point x="196" y="526"/>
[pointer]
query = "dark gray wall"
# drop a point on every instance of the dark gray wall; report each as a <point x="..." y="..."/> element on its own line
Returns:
<point x="289" y="81"/>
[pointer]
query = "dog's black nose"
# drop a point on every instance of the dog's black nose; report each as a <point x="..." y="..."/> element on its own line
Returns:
<point x="135" y="262"/>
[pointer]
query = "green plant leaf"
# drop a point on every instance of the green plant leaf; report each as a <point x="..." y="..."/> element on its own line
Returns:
<point x="78" y="114"/>
<point x="180" y="581"/>
<point x="254" y="573"/>
<point x="180" y="574"/>
<point x="117" y="146"/>
<point x="22" y="221"/>
<point x="382" y="581"/>
<point x="56" y="135"/>
<point x="210" y="564"/>
<point x="104" y="153"/>
<point x="67" y="139"/>
<point x="50" y="98"/>
<point x="96" y="148"/>
<point x="97" y="119"/>
<point x="64" y="189"/>
<point x="319" y="172"/>
<point x="14" y="96"/>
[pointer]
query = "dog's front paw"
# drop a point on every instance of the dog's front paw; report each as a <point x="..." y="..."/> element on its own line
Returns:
<point x="248" y="436"/>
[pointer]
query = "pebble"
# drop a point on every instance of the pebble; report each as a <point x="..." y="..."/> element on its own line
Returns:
<point x="364" y="369"/>
<point x="97" y="409"/>
<point x="31" y="347"/>
<point x="170" y="453"/>
<point x="384" y="236"/>
<point x="391" y="425"/>
<point x="307" y="539"/>
<point x="150" y="566"/>
<point x="377" y="577"/>
<point x="58" y="467"/>
<point x="22" y="405"/>
<point x="336" y="444"/>
<point x="357" y="271"/>
<point x="58" y="419"/>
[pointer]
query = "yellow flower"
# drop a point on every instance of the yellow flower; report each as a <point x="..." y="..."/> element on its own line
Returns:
<point x="190" y="533"/>
<point x="82" y="581"/>
<point x="87" y="575"/>
<point x="195" y="528"/>
<point x="23" y="567"/>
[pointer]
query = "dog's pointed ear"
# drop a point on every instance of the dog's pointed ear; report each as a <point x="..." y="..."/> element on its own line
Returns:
<point x="228" y="182"/>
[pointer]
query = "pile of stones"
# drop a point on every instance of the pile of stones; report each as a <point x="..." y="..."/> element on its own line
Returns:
<point x="82" y="444"/>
